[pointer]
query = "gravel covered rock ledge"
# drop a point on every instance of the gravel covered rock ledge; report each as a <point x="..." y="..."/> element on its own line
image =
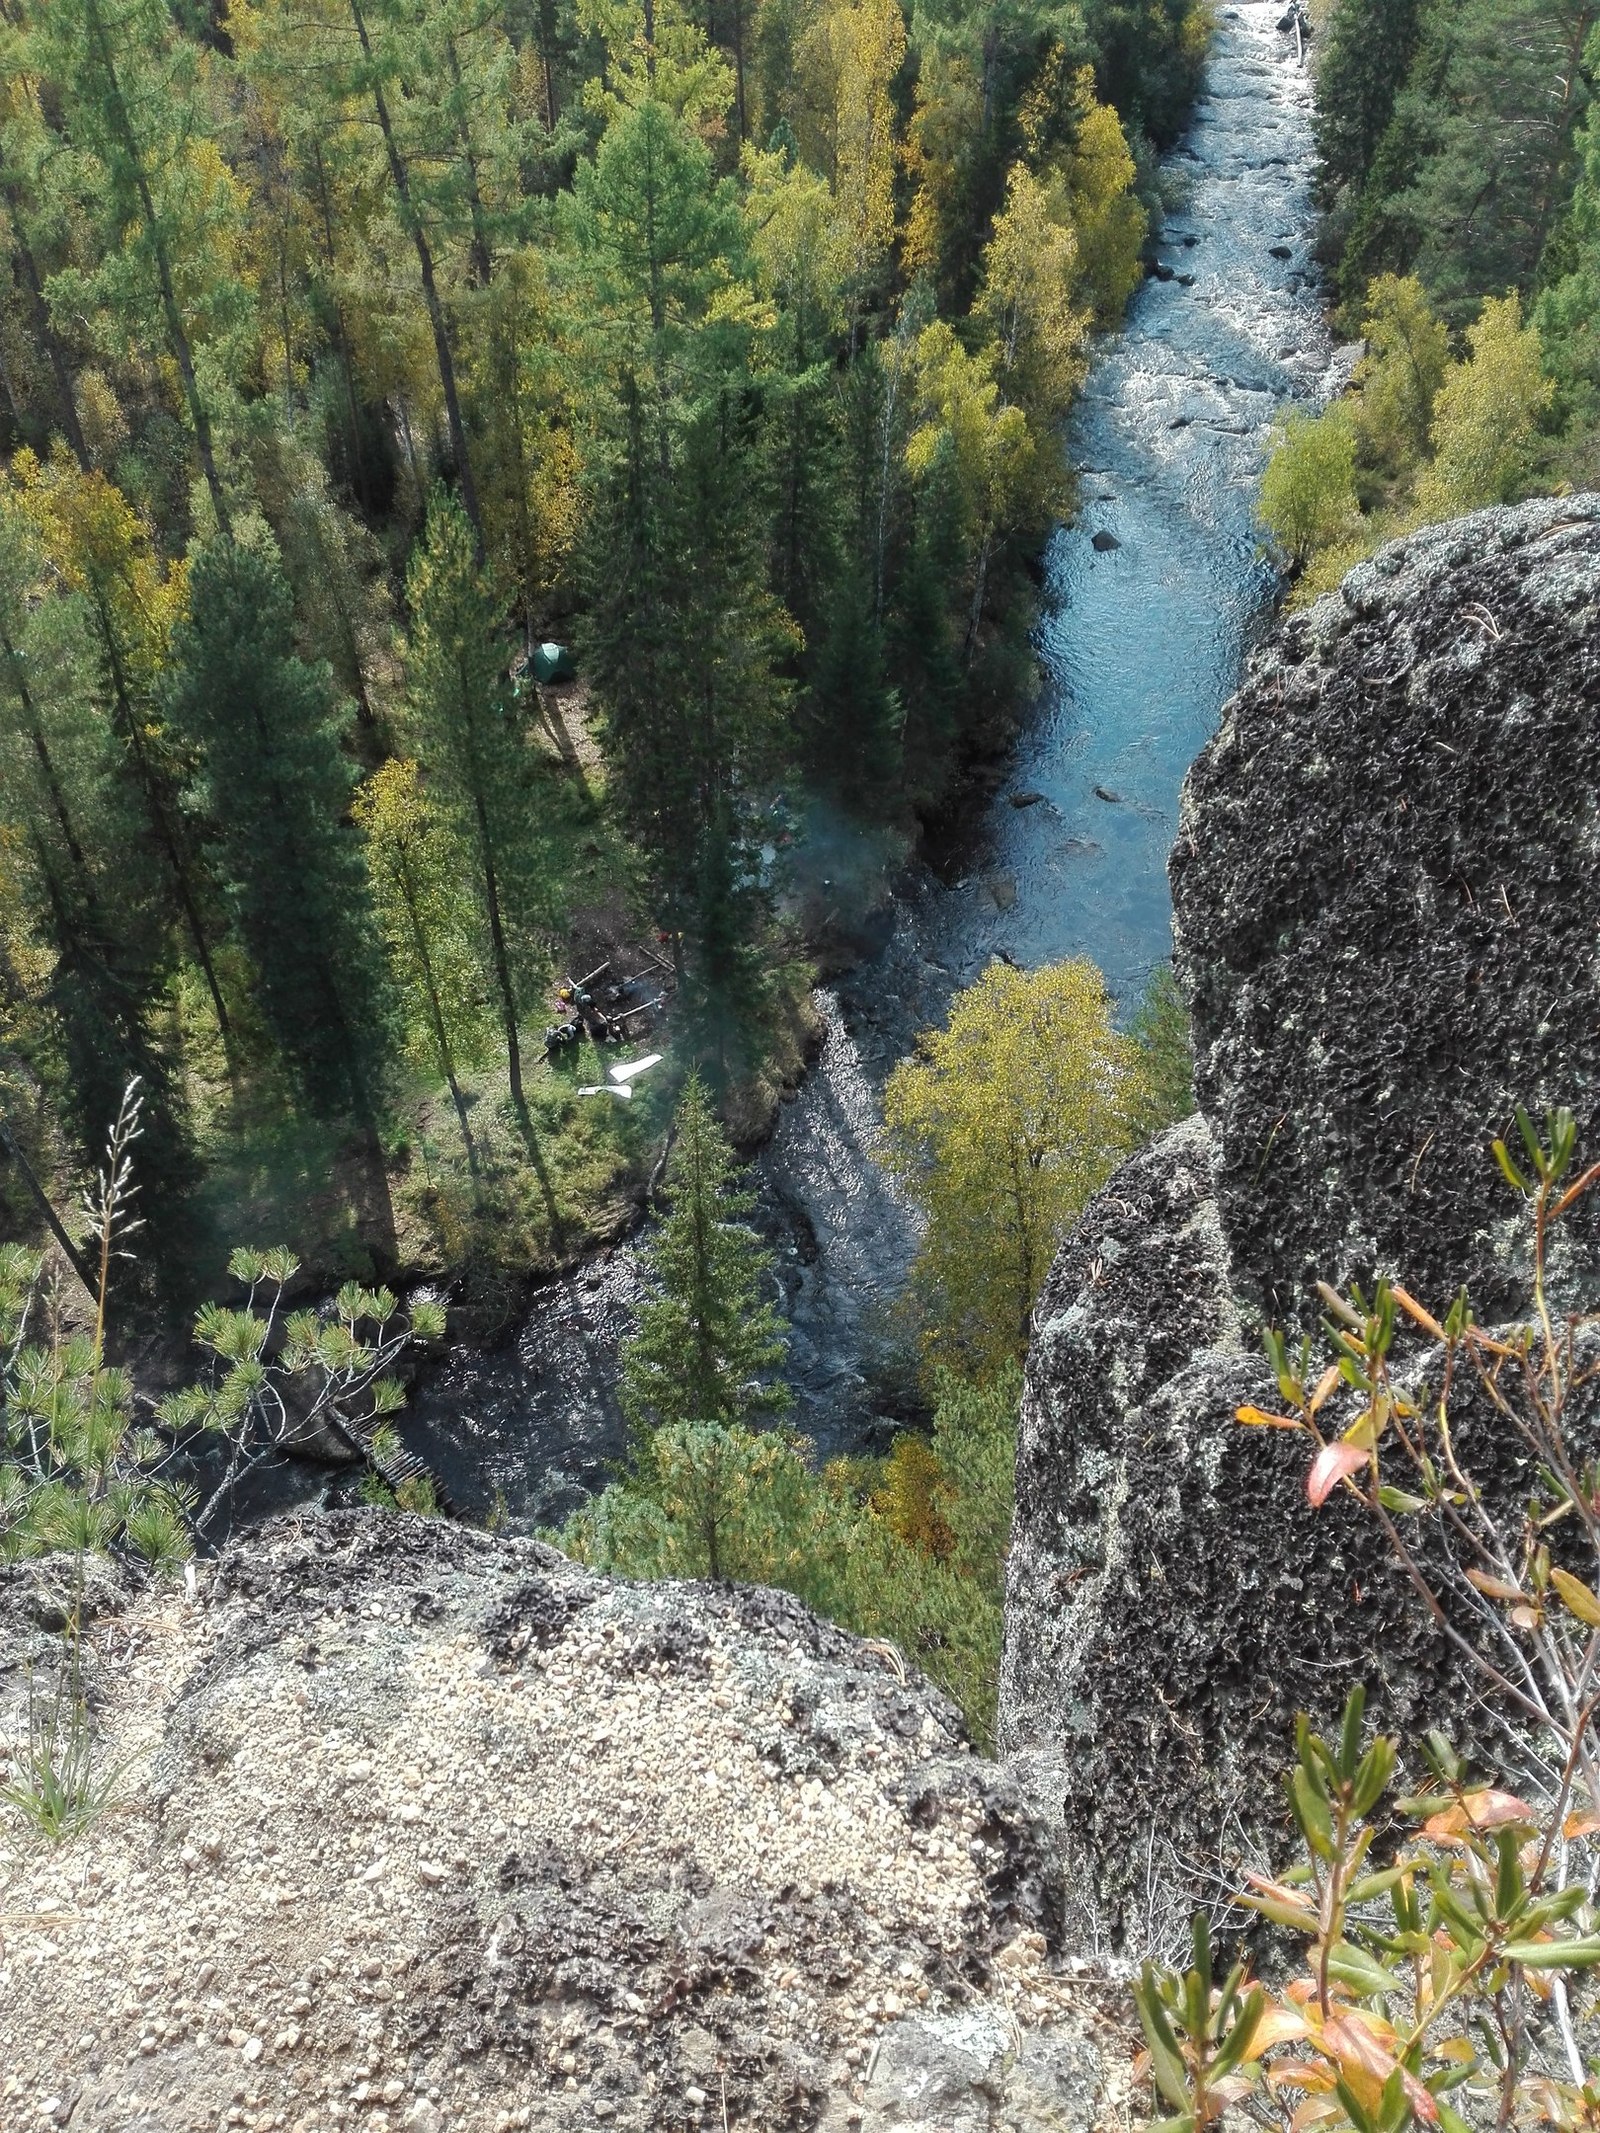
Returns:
<point x="424" y="1830"/>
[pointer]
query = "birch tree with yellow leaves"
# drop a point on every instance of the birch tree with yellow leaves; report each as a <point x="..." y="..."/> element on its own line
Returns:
<point x="1001" y="1126"/>
<point x="856" y="52"/>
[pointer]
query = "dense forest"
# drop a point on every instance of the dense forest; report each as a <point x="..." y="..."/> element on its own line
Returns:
<point x="1459" y="178"/>
<point x="354" y="349"/>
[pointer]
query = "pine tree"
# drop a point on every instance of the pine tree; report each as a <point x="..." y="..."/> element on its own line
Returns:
<point x="1512" y="95"/>
<point x="707" y="1344"/>
<point x="1473" y="171"/>
<point x="472" y="752"/>
<point x="1361" y="63"/>
<point x="267" y="732"/>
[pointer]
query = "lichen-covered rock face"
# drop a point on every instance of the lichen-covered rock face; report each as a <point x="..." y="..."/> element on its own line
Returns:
<point x="1386" y="885"/>
<point x="1172" y="1600"/>
<point x="438" y="1833"/>
<point x="1388" y="914"/>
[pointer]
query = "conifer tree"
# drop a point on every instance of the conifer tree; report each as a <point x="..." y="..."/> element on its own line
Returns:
<point x="1361" y="64"/>
<point x="419" y="885"/>
<point x="138" y="108"/>
<point x="266" y="729"/>
<point x="471" y="750"/>
<point x="707" y="1344"/>
<point x="685" y="642"/>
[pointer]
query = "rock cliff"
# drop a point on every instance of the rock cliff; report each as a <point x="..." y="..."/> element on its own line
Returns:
<point x="419" y="1829"/>
<point x="1387" y="895"/>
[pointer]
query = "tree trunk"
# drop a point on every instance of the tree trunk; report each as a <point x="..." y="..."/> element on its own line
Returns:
<point x="978" y="591"/>
<point x="169" y="301"/>
<point x="41" y="1199"/>
<point x="430" y="293"/>
<point x="341" y="337"/>
<point x="738" y="70"/>
<point x="48" y="338"/>
<point x="166" y="836"/>
<point x="502" y="961"/>
<point x="482" y="259"/>
<point x="441" y="1038"/>
<point x="547" y="46"/>
<point x="41" y="749"/>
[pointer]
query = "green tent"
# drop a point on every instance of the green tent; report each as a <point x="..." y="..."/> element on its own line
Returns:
<point x="552" y="662"/>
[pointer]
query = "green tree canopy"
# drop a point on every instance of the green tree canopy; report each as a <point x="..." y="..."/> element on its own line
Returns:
<point x="707" y="1344"/>
<point x="267" y="732"/>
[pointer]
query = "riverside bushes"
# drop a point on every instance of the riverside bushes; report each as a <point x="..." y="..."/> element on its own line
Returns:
<point x="910" y="1549"/>
<point x="1459" y="177"/>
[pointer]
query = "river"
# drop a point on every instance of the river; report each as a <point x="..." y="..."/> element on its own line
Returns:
<point x="1140" y="644"/>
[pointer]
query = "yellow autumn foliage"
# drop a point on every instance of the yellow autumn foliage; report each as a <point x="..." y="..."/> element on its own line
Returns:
<point x="1487" y="414"/>
<point x="99" y="546"/>
<point x="1000" y="1127"/>
<point x="854" y="53"/>
<point x="1030" y="271"/>
<point x="913" y="1496"/>
<point x="1096" y="177"/>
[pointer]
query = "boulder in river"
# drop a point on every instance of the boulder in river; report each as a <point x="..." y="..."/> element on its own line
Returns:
<point x="1104" y="542"/>
<point x="1387" y="899"/>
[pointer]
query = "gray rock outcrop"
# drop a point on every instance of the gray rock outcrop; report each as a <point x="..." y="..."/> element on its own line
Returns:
<point x="436" y="1833"/>
<point x="1387" y="892"/>
<point x="1386" y="888"/>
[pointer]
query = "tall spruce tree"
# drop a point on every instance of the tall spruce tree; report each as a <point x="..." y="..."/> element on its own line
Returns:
<point x="707" y="1344"/>
<point x="1362" y="65"/>
<point x="267" y="729"/>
